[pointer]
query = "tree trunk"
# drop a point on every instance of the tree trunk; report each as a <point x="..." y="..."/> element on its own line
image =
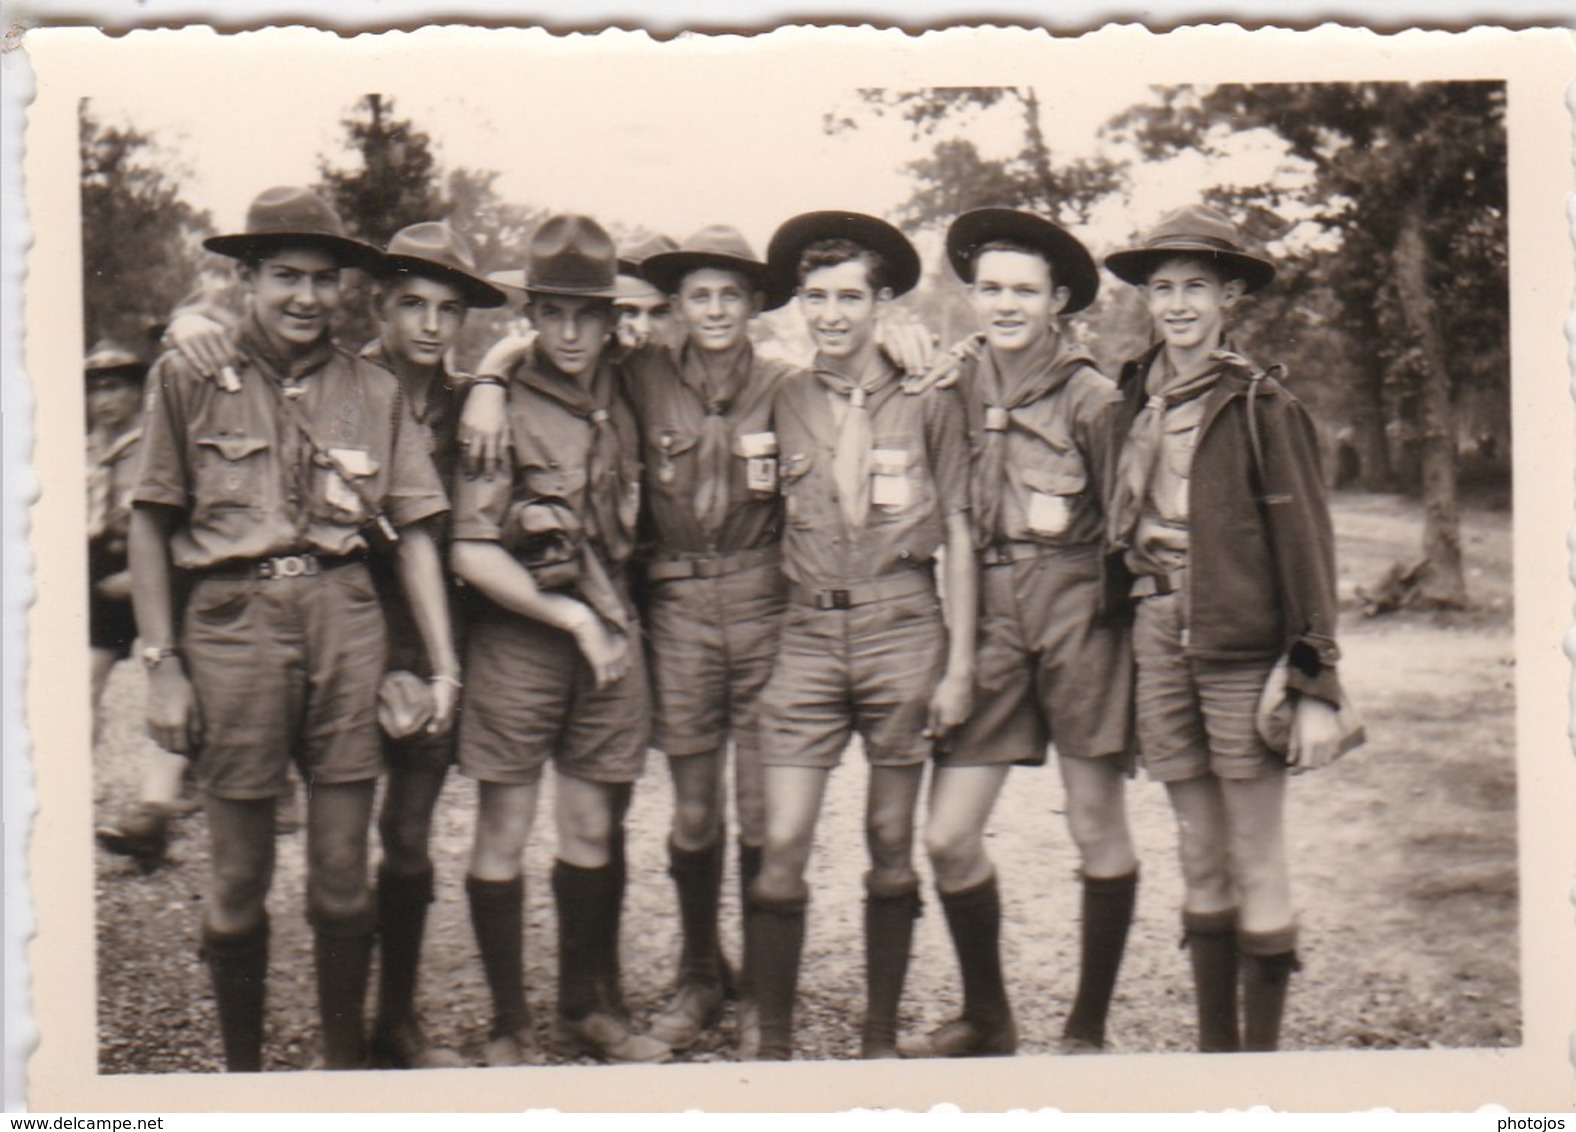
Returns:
<point x="1443" y="585"/>
<point x="1368" y="421"/>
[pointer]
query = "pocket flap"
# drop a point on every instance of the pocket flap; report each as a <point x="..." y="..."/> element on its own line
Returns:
<point x="1067" y="478"/>
<point x="234" y="447"/>
<point x="672" y="442"/>
<point x="794" y="465"/>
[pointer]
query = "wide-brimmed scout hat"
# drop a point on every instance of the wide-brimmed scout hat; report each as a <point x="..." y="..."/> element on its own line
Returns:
<point x="570" y="255"/>
<point x="716" y="245"/>
<point x="289" y="215"/>
<point x="1194" y="230"/>
<point x="629" y="281"/>
<point x="790" y="240"/>
<point x="1071" y="264"/>
<point x="434" y="250"/>
<point x="108" y="357"/>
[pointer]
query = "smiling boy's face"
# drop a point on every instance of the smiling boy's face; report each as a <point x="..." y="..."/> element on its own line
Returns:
<point x="1015" y="299"/>
<point x="295" y="292"/>
<point x="420" y="318"/>
<point x="1188" y="299"/>
<point x="840" y="306"/>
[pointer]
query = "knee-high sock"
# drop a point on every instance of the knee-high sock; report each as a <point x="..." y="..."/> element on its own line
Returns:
<point x="238" y="966"/>
<point x="697" y="874"/>
<point x="974" y="921"/>
<point x="749" y="869"/>
<point x="890" y="912"/>
<point x="587" y="901"/>
<point x="1211" y="940"/>
<point x="344" y="958"/>
<point x="1107" y="917"/>
<point x="1268" y="959"/>
<point x="498" y="919"/>
<point x="775" y="930"/>
<point x="402" y="902"/>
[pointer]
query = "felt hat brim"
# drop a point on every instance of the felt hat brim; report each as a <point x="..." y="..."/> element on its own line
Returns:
<point x="790" y="240"/>
<point x="478" y="293"/>
<point x="1134" y="265"/>
<point x="666" y="270"/>
<point x="349" y="253"/>
<point x="1071" y="264"/>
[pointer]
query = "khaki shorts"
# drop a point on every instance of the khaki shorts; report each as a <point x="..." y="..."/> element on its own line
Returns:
<point x="286" y="668"/>
<point x="1046" y="670"/>
<point x="870" y="669"/>
<point x="1195" y="717"/>
<point x="531" y="698"/>
<point x="713" y="645"/>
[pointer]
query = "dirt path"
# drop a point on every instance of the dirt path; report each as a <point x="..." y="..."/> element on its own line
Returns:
<point x="1404" y="867"/>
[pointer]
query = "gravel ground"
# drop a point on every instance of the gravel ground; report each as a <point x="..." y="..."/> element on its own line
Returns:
<point x="1404" y="867"/>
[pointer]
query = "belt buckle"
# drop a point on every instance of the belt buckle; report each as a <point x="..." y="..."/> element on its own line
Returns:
<point x="292" y="566"/>
<point x="839" y="599"/>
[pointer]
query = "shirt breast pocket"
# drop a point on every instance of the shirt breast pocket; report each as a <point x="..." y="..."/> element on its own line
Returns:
<point x="1055" y="487"/>
<point x="793" y="469"/>
<point x="232" y="472"/>
<point x="899" y="483"/>
<point x="663" y="452"/>
<point x="343" y="479"/>
<point x="555" y="482"/>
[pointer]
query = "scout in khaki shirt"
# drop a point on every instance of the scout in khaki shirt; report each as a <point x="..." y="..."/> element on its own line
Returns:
<point x="267" y="492"/>
<point x="554" y="664"/>
<point x="875" y="481"/>
<point x="715" y="584"/>
<point x="1219" y="508"/>
<point x="1050" y="668"/>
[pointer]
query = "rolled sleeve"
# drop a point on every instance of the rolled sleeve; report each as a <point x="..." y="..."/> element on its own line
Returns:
<point x="414" y="490"/>
<point x="946" y="436"/>
<point x="163" y="476"/>
<point x="480" y="506"/>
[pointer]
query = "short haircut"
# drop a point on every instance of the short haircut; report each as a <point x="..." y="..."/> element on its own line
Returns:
<point x="1004" y="244"/>
<point x="837" y="250"/>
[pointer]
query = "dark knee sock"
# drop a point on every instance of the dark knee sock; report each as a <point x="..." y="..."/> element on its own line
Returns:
<point x="402" y="901"/>
<point x="498" y="919"/>
<point x="749" y="869"/>
<point x="344" y="957"/>
<point x="1268" y="959"/>
<point x="974" y="921"/>
<point x="588" y="912"/>
<point x="1107" y="916"/>
<point x="775" y="931"/>
<point x="238" y="965"/>
<point x="1211" y="940"/>
<point x="697" y="874"/>
<point x="890" y="912"/>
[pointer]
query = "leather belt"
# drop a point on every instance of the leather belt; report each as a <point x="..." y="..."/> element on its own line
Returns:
<point x="863" y="593"/>
<point x="1006" y="553"/>
<point x="305" y="565"/>
<point x="711" y="566"/>
<point x="1158" y="585"/>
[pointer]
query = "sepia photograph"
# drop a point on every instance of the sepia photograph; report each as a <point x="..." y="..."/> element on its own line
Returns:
<point x="804" y="549"/>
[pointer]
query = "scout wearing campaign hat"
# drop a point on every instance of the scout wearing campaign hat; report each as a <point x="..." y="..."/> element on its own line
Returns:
<point x="1071" y="264"/>
<point x="790" y="240"/>
<point x="435" y="250"/>
<point x="716" y="245"/>
<point x="631" y="254"/>
<point x="107" y="357"/>
<point x="290" y="216"/>
<point x="572" y="256"/>
<point x="1194" y="230"/>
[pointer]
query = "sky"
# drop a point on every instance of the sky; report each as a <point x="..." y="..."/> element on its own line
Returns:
<point x="706" y="143"/>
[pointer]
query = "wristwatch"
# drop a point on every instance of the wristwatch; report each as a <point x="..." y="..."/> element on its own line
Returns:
<point x="154" y="655"/>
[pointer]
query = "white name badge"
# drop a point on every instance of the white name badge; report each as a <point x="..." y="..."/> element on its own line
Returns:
<point x="890" y="486"/>
<point x="1048" y="514"/>
<point x="759" y="450"/>
<point x="336" y="491"/>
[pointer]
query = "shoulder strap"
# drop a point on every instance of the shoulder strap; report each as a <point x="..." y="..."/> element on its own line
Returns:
<point x="296" y="417"/>
<point x="1255" y="443"/>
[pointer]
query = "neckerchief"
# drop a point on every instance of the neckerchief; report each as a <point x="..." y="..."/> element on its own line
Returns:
<point x="1044" y="371"/>
<point x="254" y="344"/>
<point x="608" y="479"/>
<point x="712" y="456"/>
<point x="1136" y="464"/>
<point x="851" y="459"/>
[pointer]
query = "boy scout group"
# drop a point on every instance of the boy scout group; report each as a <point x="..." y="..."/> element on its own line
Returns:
<point x="697" y="547"/>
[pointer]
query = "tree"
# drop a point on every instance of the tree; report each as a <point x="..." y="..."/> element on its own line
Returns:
<point x="141" y="242"/>
<point x="1409" y="182"/>
<point x="392" y="180"/>
<point x="955" y="177"/>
